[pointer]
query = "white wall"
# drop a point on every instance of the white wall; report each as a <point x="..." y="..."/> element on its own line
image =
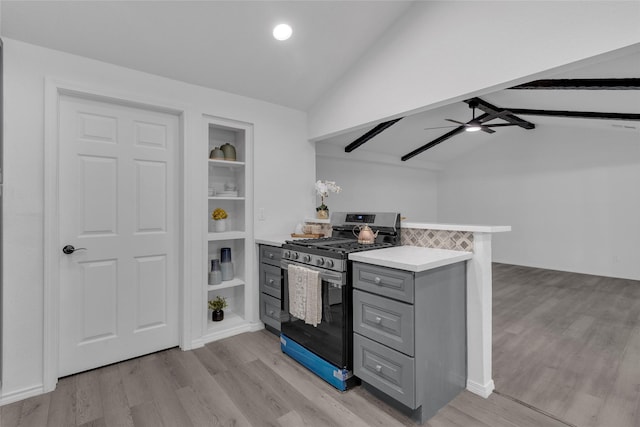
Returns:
<point x="441" y="52"/>
<point x="569" y="193"/>
<point x="377" y="186"/>
<point x="277" y="130"/>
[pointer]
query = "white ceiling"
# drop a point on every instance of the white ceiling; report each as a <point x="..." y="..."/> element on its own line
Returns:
<point x="224" y="45"/>
<point x="227" y="45"/>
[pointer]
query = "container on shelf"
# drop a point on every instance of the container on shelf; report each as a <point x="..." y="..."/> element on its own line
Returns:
<point x="220" y="225"/>
<point x="226" y="265"/>
<point x="229" y="151"/>
<point x="215" y="275"/>
<point x="216" y="154"/>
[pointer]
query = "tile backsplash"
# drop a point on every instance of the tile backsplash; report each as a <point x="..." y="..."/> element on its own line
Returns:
<point x="439" y="239"/>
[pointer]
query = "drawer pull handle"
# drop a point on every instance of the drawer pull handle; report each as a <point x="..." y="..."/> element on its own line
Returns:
<point x="377" y="280"/>
<point x="378" y="320"/>
<point x="271" y="256"/>
<point x="271" y="281"/>
<point x="378" y="368"/>
<point x="271" y="312"/>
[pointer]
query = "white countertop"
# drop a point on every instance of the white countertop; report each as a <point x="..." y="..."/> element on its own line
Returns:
<point x="458" y="227"/>
<point x="411" y="258"/>
<point x="275" y="240"/>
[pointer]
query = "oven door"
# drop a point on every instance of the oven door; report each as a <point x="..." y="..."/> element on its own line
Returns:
<point x="331" y="339"/>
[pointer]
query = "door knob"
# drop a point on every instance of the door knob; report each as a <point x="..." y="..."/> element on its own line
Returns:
<point x="69" y="249"/>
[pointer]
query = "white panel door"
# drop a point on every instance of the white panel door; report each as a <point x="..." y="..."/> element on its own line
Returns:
<point x="118" y="199"/>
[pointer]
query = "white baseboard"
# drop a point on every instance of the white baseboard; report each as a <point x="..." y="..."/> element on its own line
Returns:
<point x="244" y="327"/>
<point x="480" y="389"/>
<point x="255" y="327"/>
<point x="17" y="395"/>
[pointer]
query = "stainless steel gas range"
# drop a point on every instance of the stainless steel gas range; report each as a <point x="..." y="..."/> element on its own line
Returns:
<point x="327" y="349"/>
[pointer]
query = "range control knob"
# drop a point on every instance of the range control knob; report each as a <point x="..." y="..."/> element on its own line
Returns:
<point x="320" y="261"/>
<point x="306" y="258"/>
<point x="329" y="263"/>
<point x="294" y="255"/>
<point x="286" y="254"/>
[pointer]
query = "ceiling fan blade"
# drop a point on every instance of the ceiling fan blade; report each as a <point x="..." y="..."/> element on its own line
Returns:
<point x="455" y="121"/>
<point x="484" y="128"/>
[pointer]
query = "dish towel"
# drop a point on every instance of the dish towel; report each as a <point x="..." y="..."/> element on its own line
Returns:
<point x="305" y="294"/>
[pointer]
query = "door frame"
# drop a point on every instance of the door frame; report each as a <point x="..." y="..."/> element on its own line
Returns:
<point x="53" y="89"/>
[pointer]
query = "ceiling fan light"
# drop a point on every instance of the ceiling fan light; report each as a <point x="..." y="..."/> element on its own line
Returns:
<point x="282" y="32"/>
<point x="473" y="127"/>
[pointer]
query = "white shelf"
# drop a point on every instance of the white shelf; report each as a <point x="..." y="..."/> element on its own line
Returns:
<point x="226" y="235"/>
<point x="225" y="198"/>
<point x="226" y="284"/>
<point x="230" y="320"/>
<point x="227" y="163"/>
<point x="240" y="291"/>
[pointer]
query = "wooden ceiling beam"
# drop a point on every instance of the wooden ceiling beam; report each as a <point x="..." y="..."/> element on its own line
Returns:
<point x="582" y="84"/>
<point x="370" y="134"/>
<point x="433" y="143"/>
<point x="500" y="113"/>
<point x="576" y="114"/>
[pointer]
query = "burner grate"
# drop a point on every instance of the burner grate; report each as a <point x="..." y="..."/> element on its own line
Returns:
<point x="354" y="246"/>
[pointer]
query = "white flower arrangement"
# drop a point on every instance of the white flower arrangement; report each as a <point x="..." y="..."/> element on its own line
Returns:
<point x="323" y="188"/>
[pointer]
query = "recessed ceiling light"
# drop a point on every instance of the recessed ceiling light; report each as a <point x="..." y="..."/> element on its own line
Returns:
<point x="282" y="32"/>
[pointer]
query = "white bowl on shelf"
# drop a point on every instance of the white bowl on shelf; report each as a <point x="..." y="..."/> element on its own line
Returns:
<point x="227" y="194"/>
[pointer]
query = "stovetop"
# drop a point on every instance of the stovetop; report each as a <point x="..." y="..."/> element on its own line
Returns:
<point x="338" y="244"/>
<point x="333" y="252"/>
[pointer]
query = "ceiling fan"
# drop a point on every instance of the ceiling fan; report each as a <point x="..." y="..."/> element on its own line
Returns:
<point x="476" y="124"/>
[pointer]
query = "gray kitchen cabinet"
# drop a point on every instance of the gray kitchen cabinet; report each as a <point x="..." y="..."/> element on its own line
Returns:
<point x="270" y="283"/>
<point x="410" y="335"/>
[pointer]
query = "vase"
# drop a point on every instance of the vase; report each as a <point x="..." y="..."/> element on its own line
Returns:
<point x="217" y="315"/>
<point x="323" y="214"/>
<point x="220" y="225"/>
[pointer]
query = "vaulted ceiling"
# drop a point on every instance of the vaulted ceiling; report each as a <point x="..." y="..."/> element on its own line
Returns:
<point x="227" y="45"/>
<point x="413" y="132"/>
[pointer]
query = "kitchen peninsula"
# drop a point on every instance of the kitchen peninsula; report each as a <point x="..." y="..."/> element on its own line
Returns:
<point x="466" y="238"/>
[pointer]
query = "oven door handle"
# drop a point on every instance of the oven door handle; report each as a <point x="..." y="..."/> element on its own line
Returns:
<point x="333" y="277"/>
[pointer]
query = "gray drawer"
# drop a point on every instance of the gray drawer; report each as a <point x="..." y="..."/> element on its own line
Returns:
<point x="387" y="370"/>
<point x="270" y="254"/>
<point x="387" y="321"/>
<point x="270" y="311"/>
<point x="270" y="280"/>
<point x="389" y="282"/>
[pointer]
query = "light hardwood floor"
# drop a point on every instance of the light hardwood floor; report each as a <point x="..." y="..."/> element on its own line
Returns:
<point x="567" y="344"/>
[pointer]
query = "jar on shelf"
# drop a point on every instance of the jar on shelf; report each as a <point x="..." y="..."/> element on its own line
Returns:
<point x="229" y="151"/>
<point x="216" y="154"/>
